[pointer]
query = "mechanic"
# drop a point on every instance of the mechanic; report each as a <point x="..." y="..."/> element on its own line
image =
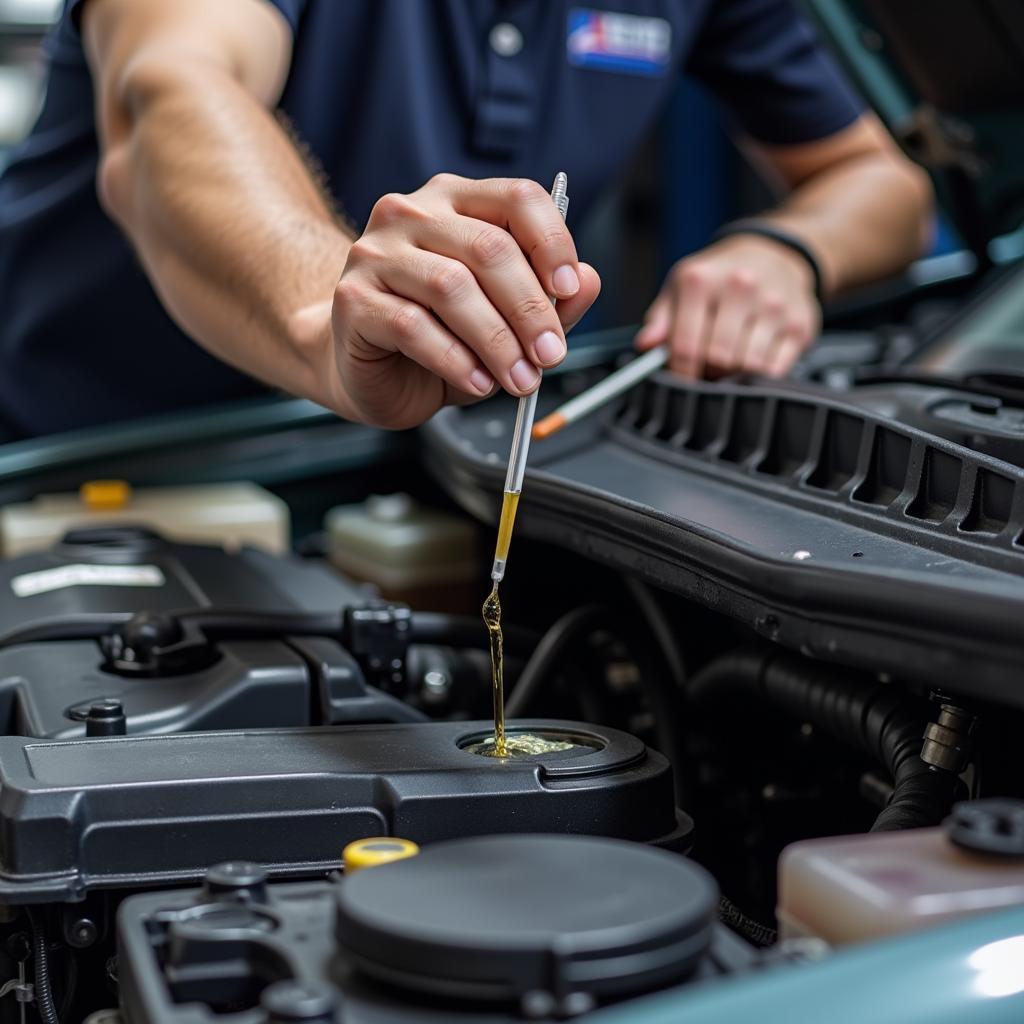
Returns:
<point x="198" y="168"/>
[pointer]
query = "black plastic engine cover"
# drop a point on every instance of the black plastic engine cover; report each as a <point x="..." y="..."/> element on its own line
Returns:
<point x="47" y="687"/>
<point x="141" y="812"/>
<point x="828" y="527"/>
<point x="180" y="576"/>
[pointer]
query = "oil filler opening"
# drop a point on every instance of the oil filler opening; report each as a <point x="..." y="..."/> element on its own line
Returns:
<point x="526" y="744"/>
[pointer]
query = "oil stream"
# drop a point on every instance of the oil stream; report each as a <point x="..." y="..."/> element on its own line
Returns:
<point x="501" y="744"/>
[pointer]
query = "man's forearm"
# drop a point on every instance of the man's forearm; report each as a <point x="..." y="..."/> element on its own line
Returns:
<point x="865" y="219"/>
<point x="862" y="207"/>
<point x="234" y="233"/>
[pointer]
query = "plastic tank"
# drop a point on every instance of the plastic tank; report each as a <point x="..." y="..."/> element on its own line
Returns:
<point x="229" y="515"/>
<point x="858" y="888"/>
<point x="422" y="556"/>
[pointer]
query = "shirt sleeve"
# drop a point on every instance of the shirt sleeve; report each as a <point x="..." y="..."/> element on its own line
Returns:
<point x="291" y="11"/>
<point x="766" y="63"/>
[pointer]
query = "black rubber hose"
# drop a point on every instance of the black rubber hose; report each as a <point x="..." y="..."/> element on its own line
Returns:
<point x="554" y="642"/>
<point x="551" y="647"/>
<point x="760" y="935"/>
<point x="660" y="628"/>
<point x="662" y="674"/>
<point x="660" y="664"/>
<point x="41" y="964"/>
<point x="877" y="719"/>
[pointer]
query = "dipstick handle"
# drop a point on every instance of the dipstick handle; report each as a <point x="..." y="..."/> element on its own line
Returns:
<point x="527" y="409"/>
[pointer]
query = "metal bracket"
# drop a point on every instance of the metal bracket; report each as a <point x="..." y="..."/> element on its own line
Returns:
<point x="24" y="991"/>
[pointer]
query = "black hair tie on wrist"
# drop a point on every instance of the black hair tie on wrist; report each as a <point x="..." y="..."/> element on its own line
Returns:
<point x="766" y="230"/>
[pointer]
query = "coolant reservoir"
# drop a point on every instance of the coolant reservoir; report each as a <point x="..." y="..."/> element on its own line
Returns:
<point x="418" y="555"/>
<point x="858" y="888"/>
<point x="228" y="515"/>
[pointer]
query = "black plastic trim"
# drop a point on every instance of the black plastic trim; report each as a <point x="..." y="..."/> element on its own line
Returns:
<point x="935" y="603"/>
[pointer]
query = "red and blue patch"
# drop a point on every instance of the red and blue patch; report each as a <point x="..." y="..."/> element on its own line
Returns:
<point x="610" y="41"/>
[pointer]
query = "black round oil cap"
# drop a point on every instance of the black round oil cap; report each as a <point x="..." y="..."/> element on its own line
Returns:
<point x="528" y="919"/>
<point x="988" y="826"/>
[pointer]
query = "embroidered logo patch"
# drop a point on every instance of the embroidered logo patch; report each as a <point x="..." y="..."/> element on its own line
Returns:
<point x="618" y="42"/>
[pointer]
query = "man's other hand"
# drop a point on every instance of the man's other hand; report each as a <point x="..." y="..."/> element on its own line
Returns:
<point x="745" y="304"/>
<point x="445" y="298"/>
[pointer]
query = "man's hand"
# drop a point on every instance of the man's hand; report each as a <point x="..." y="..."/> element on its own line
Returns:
<point x="445" y="297"/>
<point x="744" y="304"/>
<point x="747" y="303"/>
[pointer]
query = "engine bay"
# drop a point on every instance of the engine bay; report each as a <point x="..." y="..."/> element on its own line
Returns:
<point x="763" y="666"/>
<point x="767" y="632"/>
<point x="747" y="617"/>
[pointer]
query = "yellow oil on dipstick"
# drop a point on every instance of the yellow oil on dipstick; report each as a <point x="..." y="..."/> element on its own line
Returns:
<point x="492" y="620"/>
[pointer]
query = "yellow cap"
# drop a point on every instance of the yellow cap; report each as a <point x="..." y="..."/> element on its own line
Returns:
<point x="377" y="850"/>
<point x="103" y="495"/>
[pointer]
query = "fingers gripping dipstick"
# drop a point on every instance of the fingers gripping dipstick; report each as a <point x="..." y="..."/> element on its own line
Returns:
<point x="521" y="433"/>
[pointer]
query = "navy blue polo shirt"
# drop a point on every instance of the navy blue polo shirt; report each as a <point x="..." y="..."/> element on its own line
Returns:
<point x="383" y="94"/>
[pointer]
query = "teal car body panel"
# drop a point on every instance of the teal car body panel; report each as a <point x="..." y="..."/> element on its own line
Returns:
<point x="971" y="972"/>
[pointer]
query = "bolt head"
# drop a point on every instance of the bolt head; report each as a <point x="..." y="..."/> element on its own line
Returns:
<point x="233" y="878"/>
<point x="82" y="933"/>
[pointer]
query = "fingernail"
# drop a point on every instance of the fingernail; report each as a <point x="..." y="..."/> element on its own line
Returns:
<point x="565" y="281"/>
<point x="482" y="381"/>
<point x="524" y="375"/>
<point x="549" y="347"/>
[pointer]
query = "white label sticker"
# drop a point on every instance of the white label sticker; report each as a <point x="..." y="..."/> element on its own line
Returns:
<point x="64" y="576"/>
